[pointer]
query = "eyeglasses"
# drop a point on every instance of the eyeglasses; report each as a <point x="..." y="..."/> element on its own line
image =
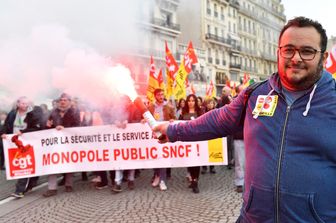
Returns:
<point x="306" y="53"/>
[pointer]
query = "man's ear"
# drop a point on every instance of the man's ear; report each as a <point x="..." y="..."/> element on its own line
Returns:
<point x="325" y="56"/>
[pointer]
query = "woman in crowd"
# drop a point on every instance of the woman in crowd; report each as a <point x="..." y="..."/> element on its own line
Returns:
<point x="179" y="107"/>
<point x="192" y="111"/>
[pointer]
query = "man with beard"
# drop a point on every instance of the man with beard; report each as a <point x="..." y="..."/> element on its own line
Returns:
<point x="161" y="111"/>
<point x="63" y="116"/>
<point x="289" y="132"/>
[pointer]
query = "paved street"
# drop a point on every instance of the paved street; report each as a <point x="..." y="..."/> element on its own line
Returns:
<point x="216" y="202"/>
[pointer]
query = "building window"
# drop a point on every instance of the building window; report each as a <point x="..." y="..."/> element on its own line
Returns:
<point x="209" y="55"/>
<point x="222" y="13"/>
<point x="244" y="24"/>
<point x="223" y="59"/>
<point x="208" y="7"/>
<point x="215" y="11"/>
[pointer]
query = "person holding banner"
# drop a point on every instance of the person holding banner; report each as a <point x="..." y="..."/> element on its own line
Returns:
<point x="161" y="111"/>
<point x="130" y="115"/>
<point x="289" y="124"/>
<point x="3" y="116"/>
<point x="16" y="121"/>
<point x="63" y="116"/>
<point x="190" y="112"/>
<point x="34" y="122"/>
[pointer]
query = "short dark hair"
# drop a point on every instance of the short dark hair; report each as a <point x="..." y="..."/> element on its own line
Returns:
<point x="306" y="22"/>
<point x="158" y="90"/>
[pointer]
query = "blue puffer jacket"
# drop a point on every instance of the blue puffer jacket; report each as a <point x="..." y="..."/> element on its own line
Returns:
<point x="290" y="155"/>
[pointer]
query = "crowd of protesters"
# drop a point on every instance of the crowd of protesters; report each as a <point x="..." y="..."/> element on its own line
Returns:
<point x="71" y="112"/>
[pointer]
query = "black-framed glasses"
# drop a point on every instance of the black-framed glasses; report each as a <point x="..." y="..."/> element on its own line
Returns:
<point x="306" y="53"/>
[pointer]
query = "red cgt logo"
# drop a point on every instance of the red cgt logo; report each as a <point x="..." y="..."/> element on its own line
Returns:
<point x="21" y="159"/>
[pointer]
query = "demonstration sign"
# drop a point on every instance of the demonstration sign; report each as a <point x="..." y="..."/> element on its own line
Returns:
<point x="103" y="148"/>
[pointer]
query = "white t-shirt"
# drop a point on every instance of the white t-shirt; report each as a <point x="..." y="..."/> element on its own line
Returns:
<point x="19" y="124"/>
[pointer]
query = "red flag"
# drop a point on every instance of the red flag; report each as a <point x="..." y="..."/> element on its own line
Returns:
<point x="190" y="58"/>
<point x="185" y="68"/>
<point x="331" y="61"/>
<point x="154" y="81"/>
<point x="160" y="79"/>
<point x="152" y="67"/>
<point x="171" y="63"/>
<point x="172" y="69"/>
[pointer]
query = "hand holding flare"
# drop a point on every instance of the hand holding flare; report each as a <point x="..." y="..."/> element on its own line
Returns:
<point x="150" y="119"/>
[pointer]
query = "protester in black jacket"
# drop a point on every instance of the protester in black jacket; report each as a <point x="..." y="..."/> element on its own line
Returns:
<point x="34" y="122"/>
<point x="2" y="129"/>
<point x="63" y="116"/>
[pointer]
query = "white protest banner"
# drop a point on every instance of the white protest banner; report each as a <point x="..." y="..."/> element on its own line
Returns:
<point x="103" y="148"/>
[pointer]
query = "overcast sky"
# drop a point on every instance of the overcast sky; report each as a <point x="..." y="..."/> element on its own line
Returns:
<point x="320" y="10"/>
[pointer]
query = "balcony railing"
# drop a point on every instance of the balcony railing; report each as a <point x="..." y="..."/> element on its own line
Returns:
<point x="235" y="66"/>
<point x="268" y="56"/>
<point x="246" y="11"/>
<point x="272" y="10"/>
<point x="236" y="47"/>
<point x="249" y="51"/>
<point x="248" y="68"/>
<point x="217" y="38"/>
<point x="166" y="24"/>
<point x="225" y="2"/>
